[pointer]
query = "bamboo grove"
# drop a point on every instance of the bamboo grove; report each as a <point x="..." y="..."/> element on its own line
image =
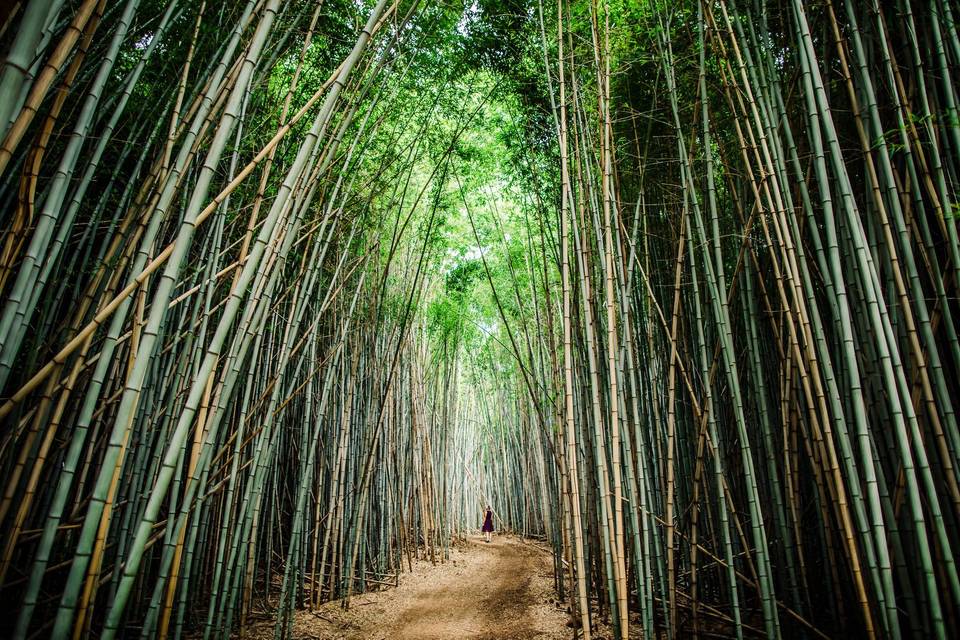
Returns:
<point x="290" y="291"/>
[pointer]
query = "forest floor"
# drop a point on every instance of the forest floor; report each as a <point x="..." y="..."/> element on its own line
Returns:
<point x="502" y="590"/>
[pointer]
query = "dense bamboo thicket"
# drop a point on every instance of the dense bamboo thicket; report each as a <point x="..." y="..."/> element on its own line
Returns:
<point x="290" y="291"/>
<point x="217" y="396"/>
<point x="759" y="255"/>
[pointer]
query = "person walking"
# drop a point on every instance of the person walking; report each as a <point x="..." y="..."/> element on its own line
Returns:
<point x="488" y="524"/>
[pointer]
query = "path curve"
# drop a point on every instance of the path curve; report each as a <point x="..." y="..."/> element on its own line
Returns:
<point x="502" y="590"/>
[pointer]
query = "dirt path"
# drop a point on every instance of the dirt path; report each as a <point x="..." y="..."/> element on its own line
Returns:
<point x="502" y="590"/>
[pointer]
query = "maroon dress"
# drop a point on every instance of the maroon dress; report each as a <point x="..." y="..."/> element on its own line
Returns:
<point x="488" y="522"/>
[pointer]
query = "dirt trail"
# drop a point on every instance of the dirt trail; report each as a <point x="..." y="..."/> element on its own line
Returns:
<point x="501" y="590"/>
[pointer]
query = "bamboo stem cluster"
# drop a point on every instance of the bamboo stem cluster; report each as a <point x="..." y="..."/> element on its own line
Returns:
<point x="769" y="210"/>
<point x="201" y="394"/>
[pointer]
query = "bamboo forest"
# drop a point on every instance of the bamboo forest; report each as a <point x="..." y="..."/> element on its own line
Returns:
<point x="293" y="293"/>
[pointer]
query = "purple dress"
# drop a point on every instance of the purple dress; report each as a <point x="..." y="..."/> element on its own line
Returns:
<point x="488" y="522"/>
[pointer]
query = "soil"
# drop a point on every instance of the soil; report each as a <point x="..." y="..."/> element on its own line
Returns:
<point x="500" y="590"/>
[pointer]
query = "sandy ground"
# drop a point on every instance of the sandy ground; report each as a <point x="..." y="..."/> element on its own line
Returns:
<point x="502" y="590"/>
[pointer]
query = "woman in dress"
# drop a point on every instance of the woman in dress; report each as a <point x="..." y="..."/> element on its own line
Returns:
<point x="488" y="524"/>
